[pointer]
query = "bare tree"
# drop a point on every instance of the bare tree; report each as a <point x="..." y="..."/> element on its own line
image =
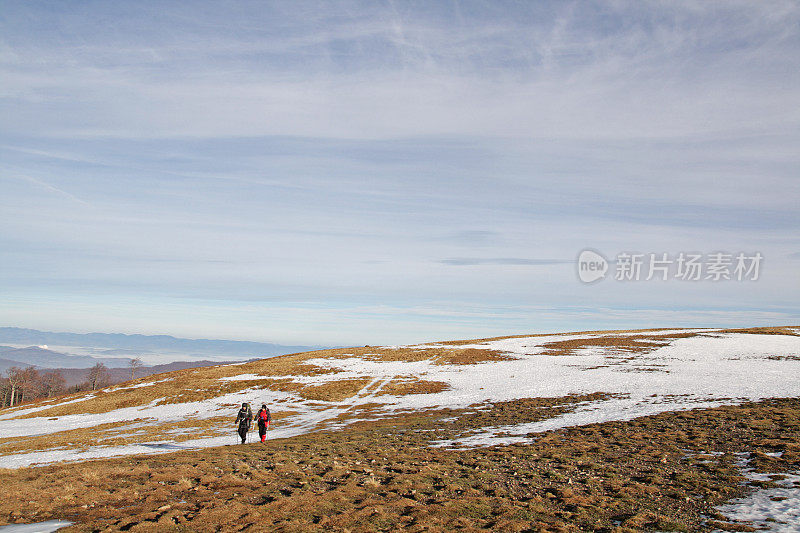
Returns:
<point x="5" y="389"/>
<point x="52" y="383"/>
<point x="134" y="365"/>
<point x="15" y="377"/>
<point x="28" y="384"/>
<point x="98" y="376"/>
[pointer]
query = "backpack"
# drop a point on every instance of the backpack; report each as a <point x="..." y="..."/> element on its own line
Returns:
<point x="245" y="416"/>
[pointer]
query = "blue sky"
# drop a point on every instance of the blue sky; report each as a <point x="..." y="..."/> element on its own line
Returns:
<point x="385" y="172"/>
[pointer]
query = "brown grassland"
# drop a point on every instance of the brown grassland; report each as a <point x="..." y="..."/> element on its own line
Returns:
<point x="371" y="471"/>
<point x="643" y="333"/>
<point x="199" y="384"/>
<point x="664" y="472"/>
<point x="203" y="383"/>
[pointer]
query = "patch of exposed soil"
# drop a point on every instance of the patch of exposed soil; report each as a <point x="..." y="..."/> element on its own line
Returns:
<point x="413" y="385"/>
<point x="781" y="330"/>
<point x="620" y="344"/>
<point x="469" y="356"/>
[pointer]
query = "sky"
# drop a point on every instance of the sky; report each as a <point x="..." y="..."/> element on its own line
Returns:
<point x="391" y="172"/>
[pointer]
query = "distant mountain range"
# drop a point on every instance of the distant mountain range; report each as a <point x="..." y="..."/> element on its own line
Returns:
<point x="78" y="374"/>
<point x="44" y="358"/>
<point x="116" y="349"/>
<point x="121" y="341"/>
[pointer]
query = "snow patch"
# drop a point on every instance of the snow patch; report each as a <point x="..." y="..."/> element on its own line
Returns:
<point x="138" y="385"/>
<point x="40" y="527"/>
<point x="776" y="509"/>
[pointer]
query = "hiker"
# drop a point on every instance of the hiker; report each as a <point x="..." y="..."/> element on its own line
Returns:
<point x="263" y="418"/>
<point x="243" y="420"/>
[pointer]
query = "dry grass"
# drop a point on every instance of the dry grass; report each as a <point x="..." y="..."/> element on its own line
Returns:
<point x="645" y="332"/>
<point x="194" y="385"/>
<point x="663" y="472"/>
<point x="127" y="432"/>
<point x="780" y="330"/>
<point x="413" y="385"/>
<point x="652" y="332"/>
<point x="335" y="391"/>
<point x="121" y="433"/>
<point x="217" y="389"/>
<point x="626" y="343"/>
<point x="205" y="383"/>
<point x="469" y="356"/>
<point x="200" y="384"/>
<point x="191" y="385"/>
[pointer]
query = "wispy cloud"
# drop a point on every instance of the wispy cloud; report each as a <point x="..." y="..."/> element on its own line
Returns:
<point x="46" y="186"/>
<point x="365" y="71"/>
<point x="519" y="261"/>
<point x="369" y="154"/>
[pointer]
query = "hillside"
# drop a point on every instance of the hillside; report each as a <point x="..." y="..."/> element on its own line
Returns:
<point x="637" y="372"/>
<point x="527" y="421"/>
<point x="5" y="364"/>
<point x="75" y="376"/>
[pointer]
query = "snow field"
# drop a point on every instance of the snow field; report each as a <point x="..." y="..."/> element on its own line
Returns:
<point x="705" y="370"/>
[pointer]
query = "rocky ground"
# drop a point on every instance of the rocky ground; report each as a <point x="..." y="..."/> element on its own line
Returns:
<point x="665" y="472"/>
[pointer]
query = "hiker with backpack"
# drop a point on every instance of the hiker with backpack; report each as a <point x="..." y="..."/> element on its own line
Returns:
<point x="243" y="420"/>
<point x="263" y="418"/>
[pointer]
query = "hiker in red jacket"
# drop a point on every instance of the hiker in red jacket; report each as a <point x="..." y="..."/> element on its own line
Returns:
<point x="263" y="418"/>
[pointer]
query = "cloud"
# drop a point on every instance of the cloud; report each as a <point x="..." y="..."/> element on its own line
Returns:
<point x="473" y="238"/>
<point x="353" y="154"/>
<point x="47" y="187"/>
<point x="465" y="261"/>
<point x="366" y="72"/>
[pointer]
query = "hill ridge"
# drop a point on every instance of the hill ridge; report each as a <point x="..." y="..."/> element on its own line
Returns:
<point x="632" y="373"/>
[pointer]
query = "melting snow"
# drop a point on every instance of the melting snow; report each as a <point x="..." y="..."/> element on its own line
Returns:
<point x="706" y="370"/>
<point x="138" y="385"/>
<point x="776" y="509"/>
<point x="41" y="527"/>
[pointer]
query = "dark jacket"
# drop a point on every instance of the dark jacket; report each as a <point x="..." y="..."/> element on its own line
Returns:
<point x="244" y="418"/>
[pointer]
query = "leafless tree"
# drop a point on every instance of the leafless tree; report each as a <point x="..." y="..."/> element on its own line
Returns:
<point x="135" y="364"/>
<point x="52" y="383"/>
<point x="28" y="384"/>
<point x="98" y="376"/>
<point x="5" y="390"/>
<point x="15" y="377"/>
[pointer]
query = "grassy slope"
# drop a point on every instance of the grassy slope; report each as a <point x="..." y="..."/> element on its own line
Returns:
<point x="650" y="473"/>
<point x="201" y="384"/>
